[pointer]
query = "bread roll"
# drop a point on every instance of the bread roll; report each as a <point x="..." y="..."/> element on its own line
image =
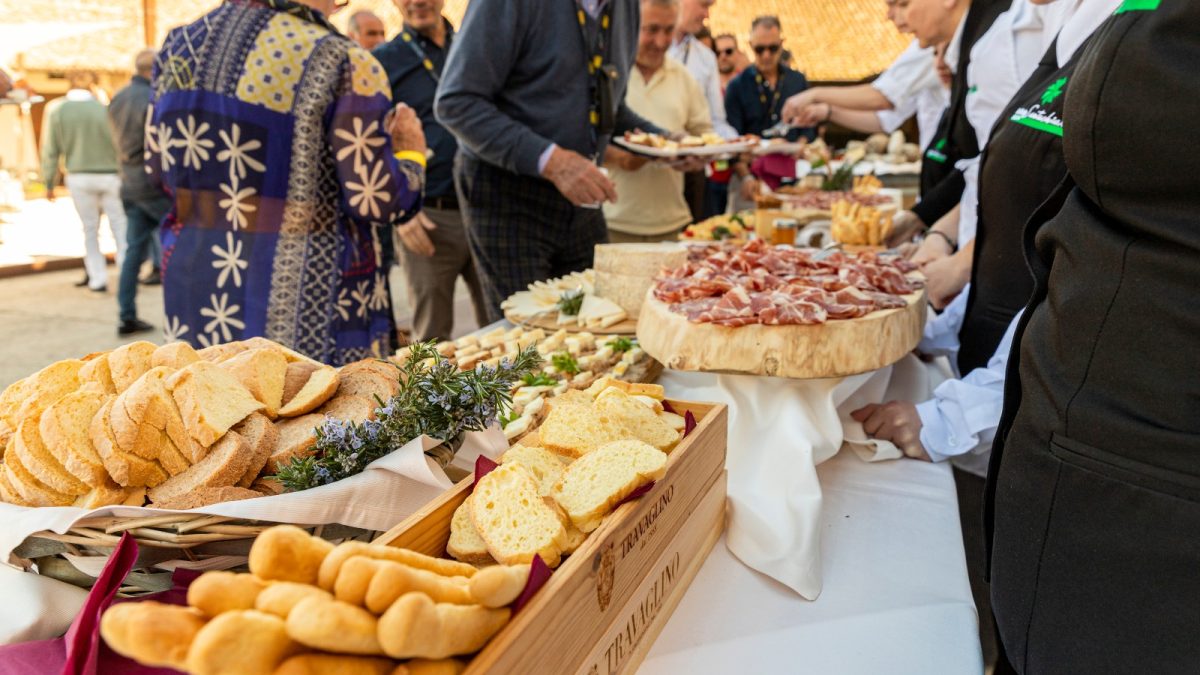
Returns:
<point x="246" y="642"/>
<point x="281" y="597"/>
<point x="334" y="626"/>
<point x="151" y="633"/>
<point x="288" y="553"/>
<point x="346" y="550"/>
<point x="499" y="585"/>
<point x="215" y="593"/>
<point x="417" y="627"/>
<point x="392" y="580"/>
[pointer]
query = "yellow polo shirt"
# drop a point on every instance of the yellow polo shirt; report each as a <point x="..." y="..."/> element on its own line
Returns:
<point x="650" y="200"/>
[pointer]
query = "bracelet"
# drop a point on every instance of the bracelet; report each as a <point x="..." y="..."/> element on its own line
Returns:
<point x="410" y="155"/>
<point x="943" y="235"/>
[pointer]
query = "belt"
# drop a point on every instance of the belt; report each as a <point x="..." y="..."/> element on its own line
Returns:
<point x="442" y="203"/>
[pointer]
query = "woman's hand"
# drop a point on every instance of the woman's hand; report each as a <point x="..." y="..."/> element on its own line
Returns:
<point x="405" y="129"/>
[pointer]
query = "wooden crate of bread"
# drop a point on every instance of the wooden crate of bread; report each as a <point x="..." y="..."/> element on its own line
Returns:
<point x="621" y="585"/>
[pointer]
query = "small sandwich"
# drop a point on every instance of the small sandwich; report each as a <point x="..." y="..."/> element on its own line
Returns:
<point x="691" y="142"/>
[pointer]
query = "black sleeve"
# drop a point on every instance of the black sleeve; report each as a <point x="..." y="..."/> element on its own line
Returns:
<point x="941" y="199"/>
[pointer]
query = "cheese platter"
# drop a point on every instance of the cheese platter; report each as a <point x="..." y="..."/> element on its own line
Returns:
<point x="707" y="145"/>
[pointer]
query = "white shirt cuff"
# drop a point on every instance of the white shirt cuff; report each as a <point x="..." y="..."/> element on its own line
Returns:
<point x="940" y="441"/>
<point x="544" y="158"/>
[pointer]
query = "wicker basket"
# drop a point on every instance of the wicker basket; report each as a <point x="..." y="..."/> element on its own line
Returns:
<point x="193" y="540"/>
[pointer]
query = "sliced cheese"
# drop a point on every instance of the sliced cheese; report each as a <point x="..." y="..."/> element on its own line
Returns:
<point x="596" y="310"/>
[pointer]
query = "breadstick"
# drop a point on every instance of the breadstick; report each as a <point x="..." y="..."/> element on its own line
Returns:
<point x="347" y="550"/>
<point x="334" y="626"/>
<point x="416" y="627"/>
<point x="247" y="642"/>
<point x="354" y="578"/>
<point x="215" y="593"/>
<point x="393" y="580"/>
<point x="335" y="664"/>
<point x="151" y="633"/>
<point x="282" y="596"/>
<point x="288" y="553"/>
<point x="499" y="585"/>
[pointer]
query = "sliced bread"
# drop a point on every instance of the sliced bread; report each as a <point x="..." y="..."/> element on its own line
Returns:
<point x="319" y="388"/>
<point x="594" y="484"/>
<point x="129" y="362"/>
<point x="210" y="400"/>
<point x="387" y="369"/>
<point x="357" y="409"/>
<point x="32" y="491"/>
<point x="46" y="386"/>
<point x="33" y="454"/>
<point x="198" y="497"/>
<point x="64" y="429"/>
<point x="144" y="439"/>
<point x="126" y="469"/>
<point x="465" y="543"/>
<point x="218" y="353"/>
<point x="574" y="430"/>
<point x="637" y="420"/>
<point x="511" y="517"/>
<point x="296" y="377"/>
<point x="370" y="385"/>
<point x="96" y="371"/>
<point x="148" y="401"/>
<point x="262" y="372"/>
<point x="296" y="440"/>
<point x="263" y="439"/>
<point x="174" y="355"/>
<point x="267" y="486"/>
<point x="110" y="494"/>
<point x="546" y="467"/>
<point x="8" y="493"/>
<point x="223" y="466"/>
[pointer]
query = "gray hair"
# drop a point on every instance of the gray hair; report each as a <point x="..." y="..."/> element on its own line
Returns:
<point x="354" y="27"/>
<point x="766" y="21"/>
<point x="143" y="63"/>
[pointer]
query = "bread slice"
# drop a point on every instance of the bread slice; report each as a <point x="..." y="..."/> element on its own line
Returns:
<point x="368" y="384"/>
<point x="129" y="362"/>
<point x="321" y="385"/>
<point x="386" y="369"/>
<point x="96" y="371"/>
<point x="8" y="493"/>
<point x="357" y="409"/>
<point x="263" y="439"/>
<point x="637" y="420"/>
<point x="210" y="400"/>
<point x="296" y="439"/>
<point x="297" y="375"/>
<point x="144" y="439"/>
<point x="174" y="355"/>
<point x="655" y="391"/>
<point x="32" y="491"/>
<point x="10" y="401"/>
<point x="126" y="469"/>
<point x="45" y="387"/>
<point x="547" y="467"/>
<point x="268" y="487"/>
<point x="223" y="466"/>
<point x="110" y="494"/>
<point x="37" y="459"/>
<point x="148" y="401"/>
<point x="594" y="484"/>
<point x="218" y="353"/>
<point x="465" y="543"/>
<point x="574" y="430"/>
<point x="262" y="372"/>
<point x="205" y="496"/>
<point x="511" y="517"/>
<point x="64" y="430"/>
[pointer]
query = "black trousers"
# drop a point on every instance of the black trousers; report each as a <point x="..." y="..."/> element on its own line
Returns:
<point x="521" y="229"/>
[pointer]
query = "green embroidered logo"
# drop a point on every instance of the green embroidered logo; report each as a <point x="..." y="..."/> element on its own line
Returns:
<point x="1138" y="6"/>
<point x="941" y="145"/>
<point x="1054" y="91"/>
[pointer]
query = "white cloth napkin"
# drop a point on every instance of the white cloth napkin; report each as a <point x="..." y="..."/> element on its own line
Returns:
<point x="774" y="495"/>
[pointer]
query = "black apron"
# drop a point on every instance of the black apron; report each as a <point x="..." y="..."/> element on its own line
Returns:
<point x="1021" y="167"/>
<point x="955" y="139"/>
<point x="1093" y="504"/>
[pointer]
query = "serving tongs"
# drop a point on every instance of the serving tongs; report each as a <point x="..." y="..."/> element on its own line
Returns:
<point x="778" y="130"/>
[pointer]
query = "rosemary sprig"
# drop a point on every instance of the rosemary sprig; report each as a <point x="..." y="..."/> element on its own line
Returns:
<point x="439" y="400"/>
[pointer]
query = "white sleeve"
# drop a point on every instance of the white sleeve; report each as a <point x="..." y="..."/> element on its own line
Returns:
<point x="963" y="415"/>
<point x="941" y="330"/>
<point x="911" y="72"/>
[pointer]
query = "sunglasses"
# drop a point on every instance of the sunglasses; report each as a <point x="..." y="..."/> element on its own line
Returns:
<point x="774" y="49"/>
<point x="728" y="51"/>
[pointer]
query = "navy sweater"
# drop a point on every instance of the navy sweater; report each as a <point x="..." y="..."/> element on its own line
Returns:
<point x="516" y="81"/>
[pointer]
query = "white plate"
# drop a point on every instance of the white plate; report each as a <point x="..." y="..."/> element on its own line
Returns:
<point x="702" y="151"/>
<point x="778" y="148"/>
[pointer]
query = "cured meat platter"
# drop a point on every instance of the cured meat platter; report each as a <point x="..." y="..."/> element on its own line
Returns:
<point x="785" y="312"/>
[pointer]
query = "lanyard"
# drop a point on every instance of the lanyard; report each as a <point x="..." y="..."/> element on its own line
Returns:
<point x="597" y="115"/>
<point x="415" y="45"/>
<point x="764" y="89"/>
<point x="687" y="48"/>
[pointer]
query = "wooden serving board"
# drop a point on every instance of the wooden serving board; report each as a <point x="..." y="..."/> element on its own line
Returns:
<point x="602" y="608"/>
<point x="550" y="324"/>
<point x="830" y="349"/>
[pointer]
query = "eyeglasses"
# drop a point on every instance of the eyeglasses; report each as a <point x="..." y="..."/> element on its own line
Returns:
<point x="774" y="49"/>
<point x="728" y="51"/>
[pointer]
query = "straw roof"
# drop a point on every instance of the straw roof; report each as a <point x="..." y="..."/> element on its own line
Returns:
<point x="832" y="40"/>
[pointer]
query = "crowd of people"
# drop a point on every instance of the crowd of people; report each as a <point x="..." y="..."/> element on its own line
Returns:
<point x="286" y="181"/>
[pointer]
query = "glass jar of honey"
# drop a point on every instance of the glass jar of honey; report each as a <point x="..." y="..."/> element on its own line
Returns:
<point x="783" y="231"/>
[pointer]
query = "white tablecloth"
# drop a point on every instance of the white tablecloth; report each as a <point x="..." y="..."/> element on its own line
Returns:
<point x="895" y="600"/>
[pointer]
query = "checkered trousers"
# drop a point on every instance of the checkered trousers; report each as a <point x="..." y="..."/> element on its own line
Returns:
<point x="521" y="229"/>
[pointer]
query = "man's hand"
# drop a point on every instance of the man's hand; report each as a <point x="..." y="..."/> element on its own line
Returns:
<point x="933" y="248"/>
<point x="795" y="105"/>
<point x="897" y="422"/>
<point x="946" y="277"/>
<point x="905" y="226"/>
<point x="578" y="179"/>
<point x="414" y="237"/>
<point x="405" y="129"/>
<point x="749" y="188"/>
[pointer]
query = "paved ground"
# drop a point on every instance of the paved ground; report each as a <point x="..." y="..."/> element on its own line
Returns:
<point x="44" y="318"/>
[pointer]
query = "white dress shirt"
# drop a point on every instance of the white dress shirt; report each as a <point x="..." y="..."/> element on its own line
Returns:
<point x="912" y="86"/>
<point x="702" y="64"/>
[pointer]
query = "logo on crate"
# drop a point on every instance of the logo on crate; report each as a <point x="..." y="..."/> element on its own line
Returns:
<point x="645" y="526"/>
<point x="604" y="566"/>
<point x="640" y="618"/>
